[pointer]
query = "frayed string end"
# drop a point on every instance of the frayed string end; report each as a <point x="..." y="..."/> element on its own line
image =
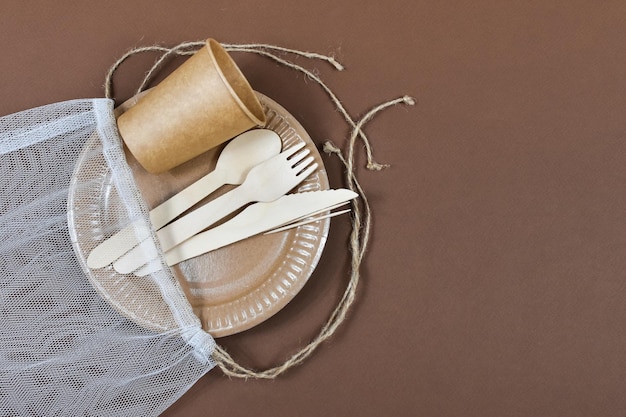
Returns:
<point x="375" y="166"/>
<point x="409" y="100"/>
<point x="330" y="148"/>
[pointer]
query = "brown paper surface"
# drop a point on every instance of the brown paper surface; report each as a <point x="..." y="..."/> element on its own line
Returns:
<point x="493" y="284"/>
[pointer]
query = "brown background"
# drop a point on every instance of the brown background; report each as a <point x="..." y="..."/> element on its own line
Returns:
<point x="494" y="282"/>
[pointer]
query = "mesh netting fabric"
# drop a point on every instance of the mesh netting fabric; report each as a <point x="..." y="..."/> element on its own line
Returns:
<point x="64" y="349"/>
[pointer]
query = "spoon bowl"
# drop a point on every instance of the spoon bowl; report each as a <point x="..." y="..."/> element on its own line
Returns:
<point x="246" y="151"/>
<point x="237" y="158"/>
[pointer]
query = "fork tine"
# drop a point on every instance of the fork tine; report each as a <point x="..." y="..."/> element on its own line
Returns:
<point x="299" y="156"/>
<point x="305" y="163"/>
<point x="292" y="149"/>
<point x="308" y="171"/>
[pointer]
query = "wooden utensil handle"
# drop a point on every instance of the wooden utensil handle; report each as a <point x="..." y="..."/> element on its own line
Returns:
<point x="182" y="201"/>
<point x="203" y="217"/>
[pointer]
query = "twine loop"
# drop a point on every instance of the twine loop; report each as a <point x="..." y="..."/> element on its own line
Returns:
<point x="361" y="211"/>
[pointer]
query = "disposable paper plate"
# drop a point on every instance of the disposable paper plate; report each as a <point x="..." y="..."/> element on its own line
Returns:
<point x="230" y="289"/>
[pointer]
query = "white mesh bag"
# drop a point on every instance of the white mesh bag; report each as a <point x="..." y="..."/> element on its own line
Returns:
<point x="65" y="350"/>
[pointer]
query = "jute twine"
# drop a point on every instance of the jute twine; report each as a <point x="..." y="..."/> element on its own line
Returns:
<point x="361" y="211"/>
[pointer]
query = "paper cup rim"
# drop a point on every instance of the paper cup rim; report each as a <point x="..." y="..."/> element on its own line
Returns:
<point x="255" y="113"/>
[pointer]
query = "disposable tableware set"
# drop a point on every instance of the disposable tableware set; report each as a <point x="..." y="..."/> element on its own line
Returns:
<point x="131" y="250"/>
<point x="133" y="236"/>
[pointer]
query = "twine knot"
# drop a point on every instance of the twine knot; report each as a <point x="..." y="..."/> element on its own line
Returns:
<point x="330" y="148"/>
<point x="375" y="166"/>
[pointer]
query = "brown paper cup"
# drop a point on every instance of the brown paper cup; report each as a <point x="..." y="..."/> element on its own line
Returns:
<point x="202" y="104"/>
